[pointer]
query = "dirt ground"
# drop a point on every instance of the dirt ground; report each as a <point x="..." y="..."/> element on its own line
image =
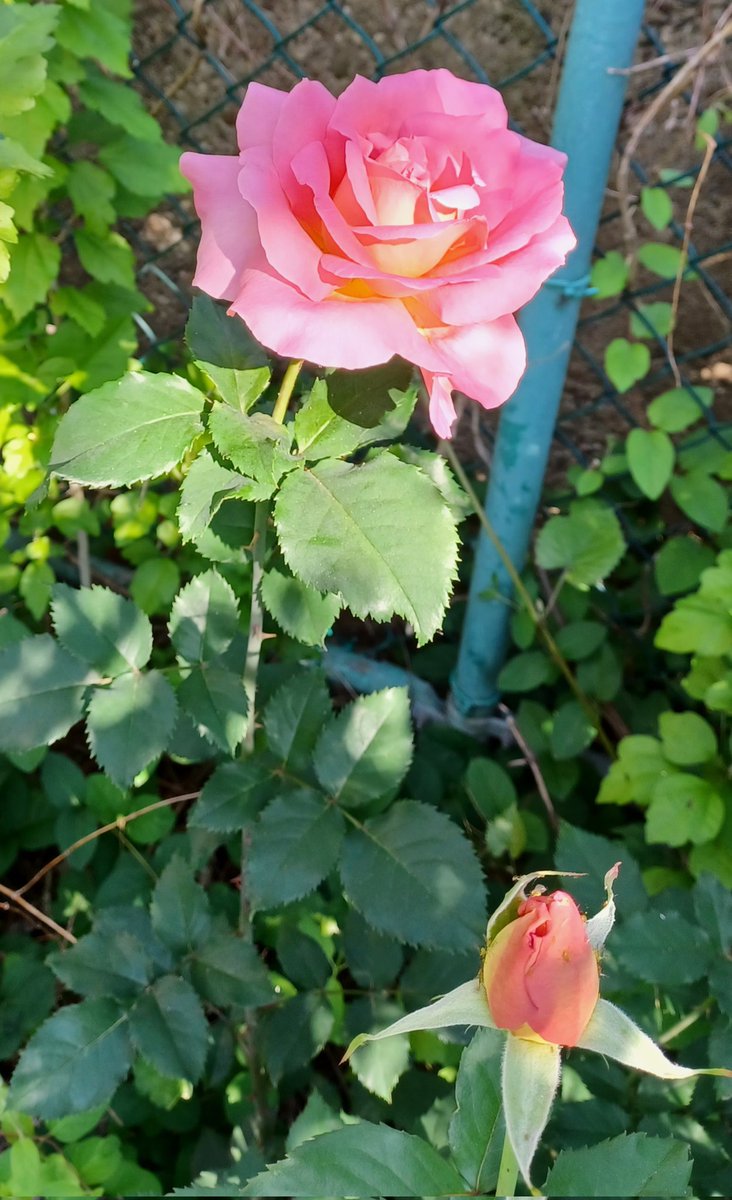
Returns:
<point x="194" y="59"/>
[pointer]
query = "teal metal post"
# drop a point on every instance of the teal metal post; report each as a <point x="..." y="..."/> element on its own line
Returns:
<point x="603" y="35"/>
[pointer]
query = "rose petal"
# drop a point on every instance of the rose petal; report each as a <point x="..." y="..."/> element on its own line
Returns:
<point x="442" y="409"/>
<point x="484" y="361"/>
<point x="258" y="115"/>
<point x="304" y="119"/>
<point x="288" y="247"/>
<point x="229" y="237"/>
<point x="507" y="285"/>
<point x="332" y="333"/>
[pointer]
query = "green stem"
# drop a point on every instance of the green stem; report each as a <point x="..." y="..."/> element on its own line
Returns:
<point x="256" y="619"/>
<point x="261" y="1120"/>
<point x="523" y="593"/>
<point x="287" y="387"/>
<point x="507" y="1170"/>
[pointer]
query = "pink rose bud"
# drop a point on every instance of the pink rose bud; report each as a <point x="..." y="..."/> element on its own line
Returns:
<point x="402" y="218"/>
<point x="540" y="973"/>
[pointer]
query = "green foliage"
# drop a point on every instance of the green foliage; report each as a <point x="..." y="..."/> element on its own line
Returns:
<point x="362" y="1160"/>
<point x="135" y="428"/>
<point x="638" y="1165"/>
<point x="586" y="544"/>
<point x="342" y="528"/>
<point x="254" y="876"/>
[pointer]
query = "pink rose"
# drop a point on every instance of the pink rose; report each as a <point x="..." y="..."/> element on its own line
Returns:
<point x="401" y="218"/>
<point x="540" y="973"/>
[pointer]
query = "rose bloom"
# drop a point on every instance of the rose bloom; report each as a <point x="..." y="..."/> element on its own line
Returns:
<point x="401" y="218"/>
<point x="540" y="973"/>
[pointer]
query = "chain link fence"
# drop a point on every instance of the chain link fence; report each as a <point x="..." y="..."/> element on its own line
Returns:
<point x="193" y="61"/>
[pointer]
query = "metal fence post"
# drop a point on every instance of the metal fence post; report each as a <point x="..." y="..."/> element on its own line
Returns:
<point x="603" y="35"/>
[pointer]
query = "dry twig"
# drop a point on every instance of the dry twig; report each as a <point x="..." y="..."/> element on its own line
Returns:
<point x="532" y="764"/>
<point x="680" y="79"/>
<point x="35" y="913"/>
<point x="711" y="146"/>
<point x="119" y="824"/>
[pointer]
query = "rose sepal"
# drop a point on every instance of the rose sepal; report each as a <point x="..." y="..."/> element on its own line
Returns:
<point x="529" y="1081"/>
<point x="612" y="1033"/>
<point x="464" y="1005"/>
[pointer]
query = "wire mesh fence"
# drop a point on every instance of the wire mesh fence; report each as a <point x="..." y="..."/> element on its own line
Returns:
<point x="193" y="61"/>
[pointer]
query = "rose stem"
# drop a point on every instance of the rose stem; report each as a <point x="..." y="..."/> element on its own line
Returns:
<point x="507" y="1170"/>
<point x="251" y="670"/>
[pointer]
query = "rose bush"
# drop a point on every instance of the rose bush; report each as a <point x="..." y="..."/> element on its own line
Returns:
<point x="540" y="973"/>
<point x="403" y="217"/>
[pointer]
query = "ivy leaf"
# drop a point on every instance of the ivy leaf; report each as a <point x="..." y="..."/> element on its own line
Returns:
<point x="412" y="874"/>
<point x="135" y="428"/>
<point x="588" y="543"/>
<point x="651" y="320"/>
<point x="364" y="752"/>
<point x="704" y="500"/>
<point x="204" y="618"/>
<point x="299" y="610"/>
<point x="75" y="1061"/>
<point x="294" y="846"/>
<point x="637" y="1164"/>
<point x="676" y="409"/>
<point x="656" y="206"/>
<point x="228" y="971"/>
<point x="360" y="1160"/>
<point x="168" y="1027"/>
<point x="609" y="275"/>
<point x="180" y="911"/>
<point x="626" y="362"/>
<point x="378" y="534"/>
<point x="293" y="719"/>
<point x="651" y="457"/>
<point x="129" y="723"/>
<point x="232" y="797"/>
<point x="102" y="628"/>
<point x="42" y="689"/>
<point x="661" y="260"/>
<point x="214" y="697"/>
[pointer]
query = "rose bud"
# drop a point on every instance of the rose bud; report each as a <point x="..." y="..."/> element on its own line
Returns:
<point x="540" y="973"/>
